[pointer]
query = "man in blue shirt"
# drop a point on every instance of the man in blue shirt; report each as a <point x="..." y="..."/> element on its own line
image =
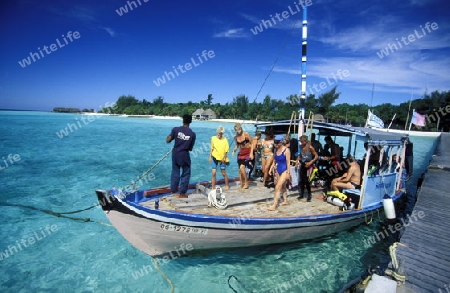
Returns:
<point x="184" y="142"/>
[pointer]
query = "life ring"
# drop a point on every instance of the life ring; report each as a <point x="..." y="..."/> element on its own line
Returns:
<point x="217" y="199"/>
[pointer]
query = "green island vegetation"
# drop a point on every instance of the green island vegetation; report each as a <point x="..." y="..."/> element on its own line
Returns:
<point x="435" y="106"/>
<point x="72" y="110"/>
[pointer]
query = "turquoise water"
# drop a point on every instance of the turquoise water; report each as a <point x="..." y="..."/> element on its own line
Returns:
<point x="43" y="253"/>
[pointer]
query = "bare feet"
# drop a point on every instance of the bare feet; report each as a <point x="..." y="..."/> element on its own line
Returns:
<point x="227" y="187"/>
<point x="245" y="185"/>
<point x="284" y="203"/>
<point x="272" y="208"/>
<point x="181" y="196"/>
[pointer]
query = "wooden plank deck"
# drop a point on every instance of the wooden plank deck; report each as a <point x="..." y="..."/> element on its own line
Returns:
<point x="425" y="252"/>
<point x="249" y="203"/>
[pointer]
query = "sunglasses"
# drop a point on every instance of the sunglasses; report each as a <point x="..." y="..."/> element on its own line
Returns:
<point x="277" y="141"/>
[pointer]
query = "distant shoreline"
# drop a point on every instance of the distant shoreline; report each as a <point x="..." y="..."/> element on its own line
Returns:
<point x="243" y="121"/>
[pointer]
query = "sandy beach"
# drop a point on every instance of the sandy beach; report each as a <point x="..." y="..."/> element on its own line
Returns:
<point x="242" y="121"/>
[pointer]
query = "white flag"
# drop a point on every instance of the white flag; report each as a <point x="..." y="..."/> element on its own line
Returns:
<point x="374" y="121"/>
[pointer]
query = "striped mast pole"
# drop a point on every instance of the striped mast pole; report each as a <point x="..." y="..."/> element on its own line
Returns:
<point x="303" y="89"/>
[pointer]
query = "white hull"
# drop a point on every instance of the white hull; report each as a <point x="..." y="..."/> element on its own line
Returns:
<point x="153" y="238"/>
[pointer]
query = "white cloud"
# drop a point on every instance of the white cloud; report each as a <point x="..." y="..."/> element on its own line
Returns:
<point x="110" y="31"/>
<point x="232" y="33"/>
<point x="404" y="74"/>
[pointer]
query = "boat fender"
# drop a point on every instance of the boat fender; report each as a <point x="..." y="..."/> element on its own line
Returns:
<point x="217" y="199"/>
<point x="389" y="208"/>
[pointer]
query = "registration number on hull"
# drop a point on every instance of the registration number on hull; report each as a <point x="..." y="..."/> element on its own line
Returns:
<point x="185" y="229"/>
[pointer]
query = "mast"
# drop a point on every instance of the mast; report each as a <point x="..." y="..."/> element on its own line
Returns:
<point x="303" y="89"/>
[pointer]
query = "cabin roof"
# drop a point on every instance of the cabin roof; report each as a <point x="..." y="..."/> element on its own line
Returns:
<point x="373" y="136"/>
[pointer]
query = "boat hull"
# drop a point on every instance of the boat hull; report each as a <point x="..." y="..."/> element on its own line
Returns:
<point x="175" y="236"/>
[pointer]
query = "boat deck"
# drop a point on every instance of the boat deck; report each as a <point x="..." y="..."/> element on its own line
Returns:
<point x="250" y="203"/>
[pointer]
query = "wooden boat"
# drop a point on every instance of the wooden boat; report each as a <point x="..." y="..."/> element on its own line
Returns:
<point x="162" y="225"/>
<point x="159" y="224"/>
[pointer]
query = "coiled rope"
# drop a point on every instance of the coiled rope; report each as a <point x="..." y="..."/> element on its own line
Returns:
<point x="397" y="273"/>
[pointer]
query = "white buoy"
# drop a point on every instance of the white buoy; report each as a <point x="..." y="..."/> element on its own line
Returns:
<point x="389" y="208"/>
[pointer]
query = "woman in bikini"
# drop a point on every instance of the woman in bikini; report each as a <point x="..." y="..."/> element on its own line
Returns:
<point x="245" y="155"/>
<point x="267" y="156"/>
<point x="282" y="158"/>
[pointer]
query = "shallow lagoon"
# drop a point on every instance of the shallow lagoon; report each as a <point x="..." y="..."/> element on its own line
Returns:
<point x="61" y="174"/>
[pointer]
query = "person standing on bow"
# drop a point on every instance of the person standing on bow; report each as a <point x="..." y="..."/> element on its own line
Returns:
<point x="245" y="156"/>
<point x="184" y="142"/>
<point x="282" y="157"/>
<point x="306" y="158"/>
<point x="218" y="157"/>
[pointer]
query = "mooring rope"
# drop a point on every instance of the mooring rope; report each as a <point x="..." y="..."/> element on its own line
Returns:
<point x="276" y="60"/>
<point x="150" y="169"/>
<point x="172" y="287"/>
<point x="237" y="280"/>
<point x="59" y="214"/>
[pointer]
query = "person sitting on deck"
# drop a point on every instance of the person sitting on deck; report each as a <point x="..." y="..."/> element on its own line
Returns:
<point x="282" y="158"/>
<point x="351" y="179"/>
<point x="333" y="168"/>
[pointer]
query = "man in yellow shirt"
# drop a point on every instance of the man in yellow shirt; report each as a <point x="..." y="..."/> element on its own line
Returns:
<point x="219" y="156"/>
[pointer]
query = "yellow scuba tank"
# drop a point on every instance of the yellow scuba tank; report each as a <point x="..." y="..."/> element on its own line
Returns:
<point x="336" y="193"/>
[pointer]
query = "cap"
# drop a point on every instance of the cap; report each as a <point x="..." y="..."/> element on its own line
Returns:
<point x="279" y="137"/>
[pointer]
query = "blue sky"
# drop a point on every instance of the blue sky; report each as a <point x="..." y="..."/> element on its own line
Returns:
<point x="109" y="54"/>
